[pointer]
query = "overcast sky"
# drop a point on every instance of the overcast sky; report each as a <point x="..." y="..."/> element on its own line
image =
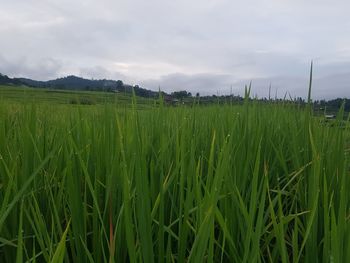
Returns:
<point x="203" y="46"/>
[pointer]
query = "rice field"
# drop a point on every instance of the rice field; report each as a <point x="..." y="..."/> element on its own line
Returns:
<point x="219" y="183"/>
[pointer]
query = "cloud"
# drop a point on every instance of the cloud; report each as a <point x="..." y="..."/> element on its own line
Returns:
<point x="283" y="86"/>
<point x="208" y="84"/>
<point x="99" y="72"/>
<point x="42" y="69"/>
<point x="332" y="86"/>
<point x="205" y="84"/>
<point x="202" y="45"/>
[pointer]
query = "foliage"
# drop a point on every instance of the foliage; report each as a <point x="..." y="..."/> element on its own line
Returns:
<point x="6" y="80"/>
<point x="181" y="94"/>
<point x="77" y="83"/>
<point x="221" y="183"/>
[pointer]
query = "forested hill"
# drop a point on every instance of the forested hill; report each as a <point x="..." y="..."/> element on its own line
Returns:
<point x="6" y="80"/>
<point x="77" y="83"/>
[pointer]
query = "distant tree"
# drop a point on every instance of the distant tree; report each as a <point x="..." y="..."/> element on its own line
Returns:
<point x="181" y="94"/>
<point x="119" y="85"/>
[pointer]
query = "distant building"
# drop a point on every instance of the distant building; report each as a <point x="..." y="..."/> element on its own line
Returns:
<point x="170" y="100"/>
<point x="329" y="116"/>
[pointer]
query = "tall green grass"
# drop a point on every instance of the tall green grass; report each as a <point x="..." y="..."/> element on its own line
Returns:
<point x="251" y="183"/>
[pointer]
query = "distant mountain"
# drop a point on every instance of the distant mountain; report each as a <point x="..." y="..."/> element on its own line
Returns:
<point x="6" y="80"/>
<point x="77" y="83"/>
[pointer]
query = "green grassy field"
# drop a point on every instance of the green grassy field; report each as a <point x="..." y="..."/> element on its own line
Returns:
<point x="15" y="94"/>
<point x="109" y="183"/>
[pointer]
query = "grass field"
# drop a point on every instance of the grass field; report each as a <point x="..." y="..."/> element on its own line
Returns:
<point x="110" y="183"/>
<point x="15" y="94"/>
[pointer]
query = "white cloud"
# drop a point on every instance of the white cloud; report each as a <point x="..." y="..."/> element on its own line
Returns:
<point x="218" y="41"/>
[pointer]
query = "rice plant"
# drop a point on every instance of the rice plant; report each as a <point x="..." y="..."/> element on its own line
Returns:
<point x="102" y="183"/>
